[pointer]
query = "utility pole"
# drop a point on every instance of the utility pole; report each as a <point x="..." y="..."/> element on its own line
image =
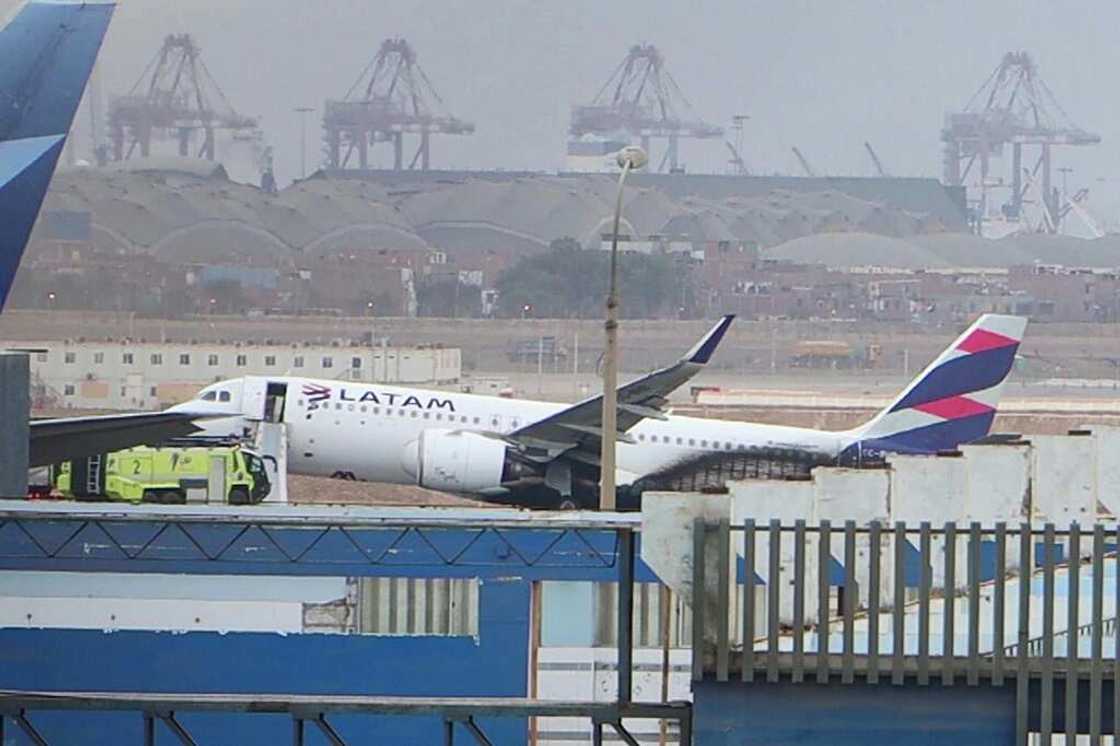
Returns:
<point x="628" y="158"/>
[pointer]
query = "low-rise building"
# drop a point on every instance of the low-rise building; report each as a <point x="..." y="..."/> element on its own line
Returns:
<point x="127" y="374"/>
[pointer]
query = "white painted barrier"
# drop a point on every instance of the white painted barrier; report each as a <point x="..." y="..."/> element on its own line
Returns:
<point x="1063" y="479"/>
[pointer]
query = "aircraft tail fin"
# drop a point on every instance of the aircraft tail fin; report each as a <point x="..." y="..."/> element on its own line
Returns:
<point x="47" y="52"/>
<point x="954" y="400"/>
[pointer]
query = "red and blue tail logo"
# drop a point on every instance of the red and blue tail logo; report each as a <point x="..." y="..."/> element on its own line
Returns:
<point x="954" y="400"/>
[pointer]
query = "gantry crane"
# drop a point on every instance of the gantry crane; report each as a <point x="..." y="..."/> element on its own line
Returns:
<point x="393" y="97"/>
<point x="175" y="97"/>
<point x="1013" y="107"/>
<point x="642" y="100"/>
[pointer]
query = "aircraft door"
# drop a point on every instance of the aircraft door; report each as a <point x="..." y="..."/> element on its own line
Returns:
<point x="253" y="393"/>
<point x="276" y="394"/>
<point x="263" y="400"/>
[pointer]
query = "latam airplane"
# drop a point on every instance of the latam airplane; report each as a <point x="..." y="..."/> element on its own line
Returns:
<point x="540" y="454"/>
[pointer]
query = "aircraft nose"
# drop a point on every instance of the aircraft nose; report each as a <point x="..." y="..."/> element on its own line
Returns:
<point x="410" y="458"/>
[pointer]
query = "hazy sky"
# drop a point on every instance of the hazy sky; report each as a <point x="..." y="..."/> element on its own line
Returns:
<point x="824" y="76"/>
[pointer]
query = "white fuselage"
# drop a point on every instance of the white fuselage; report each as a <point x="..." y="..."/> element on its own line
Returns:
<point x="361" y="430"/>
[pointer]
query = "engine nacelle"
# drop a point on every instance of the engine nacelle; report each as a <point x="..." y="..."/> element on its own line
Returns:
<point x="455" y="461"/>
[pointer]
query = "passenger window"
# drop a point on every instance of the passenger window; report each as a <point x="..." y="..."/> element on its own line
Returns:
<point x="439" y="416"/>
<point x="363" y="409"/>
<point x="377" y="410"/>
<point x="476" y="420"/>
<point x="427" y="415"/>
<point x="640" y="437"/>
<point x="415" y="414"/>
<point x="679" y="441"/>
<point x="691" y="441"/>
<point x="464" y="420"/>
<point x="703" y="444"/>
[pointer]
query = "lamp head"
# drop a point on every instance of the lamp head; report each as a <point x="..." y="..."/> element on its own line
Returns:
<point x="633" y="155"/>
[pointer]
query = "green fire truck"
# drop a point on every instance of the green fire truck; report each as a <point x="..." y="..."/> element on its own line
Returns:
<point x="168" y="474"/>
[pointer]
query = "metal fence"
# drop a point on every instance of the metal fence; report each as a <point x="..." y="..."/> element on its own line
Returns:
<point x="1028" y="607"/>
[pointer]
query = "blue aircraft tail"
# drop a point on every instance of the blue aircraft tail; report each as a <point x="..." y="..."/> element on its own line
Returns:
<point x="954" y="400"/>
<point x="46" y="55"/>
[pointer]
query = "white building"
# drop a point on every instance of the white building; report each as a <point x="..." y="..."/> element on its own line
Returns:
<point x="132" y="375"/>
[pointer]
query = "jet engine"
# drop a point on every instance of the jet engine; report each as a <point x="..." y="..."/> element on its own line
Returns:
<point x="457" y="461"/>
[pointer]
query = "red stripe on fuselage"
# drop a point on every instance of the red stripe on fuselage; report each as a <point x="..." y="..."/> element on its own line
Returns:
<point x="981" y="340"/>
<point x="953" y="407"/>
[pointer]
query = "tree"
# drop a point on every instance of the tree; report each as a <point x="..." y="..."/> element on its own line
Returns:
<point x="568" y="281"/>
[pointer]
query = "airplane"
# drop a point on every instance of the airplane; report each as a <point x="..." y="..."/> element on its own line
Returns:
<point x="546" y="455"/>
<point x="47" y="52"/>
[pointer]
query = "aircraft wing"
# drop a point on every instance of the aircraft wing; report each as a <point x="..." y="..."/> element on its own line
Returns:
<point x="65" y="438"/>
<point x="580" y="425"/>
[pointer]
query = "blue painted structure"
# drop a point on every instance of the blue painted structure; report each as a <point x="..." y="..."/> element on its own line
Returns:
<point x="736" y="714"/>
<point x="506" y="560"/>
<point x="494" y="665"/>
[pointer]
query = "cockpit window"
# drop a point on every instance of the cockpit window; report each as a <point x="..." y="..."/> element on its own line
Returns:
<point x="223" y="396"/>
<point x="209" y="396"/>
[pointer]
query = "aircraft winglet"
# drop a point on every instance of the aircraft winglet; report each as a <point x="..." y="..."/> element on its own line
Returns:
<point x="702" y="352"/>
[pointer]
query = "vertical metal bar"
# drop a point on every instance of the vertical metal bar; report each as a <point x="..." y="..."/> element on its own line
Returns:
<point x="747" y="674"/>
<point x="924" y="583"/>
<point x="773" y="600"/>
<point x="999" y="603"/>
<point x="851" y="598"/>
<point x="798" y="601"/>
<point x="873" y="603"/>
<point x="684" y="734"/>
<point x="150" y="732"/>
<point x="1097" y="649"/>
<point x="898" y="618"/>
<point x="625" y="614"/>
<point x="1116" y="647"/>
<point x="948" y="618"/>
<point x="1022" y="682"/>
<point x="297" y="732"/>
<point x="1073" y="598"/>
<point x="698" y="600"/>
<point x="1047" y="722"/>
<point x="823" y="556"/>
<point x="723" y="645"/>
<point x="448" y="733"/>
<point x="596" y="733"/>
<point x="973" y="671"/>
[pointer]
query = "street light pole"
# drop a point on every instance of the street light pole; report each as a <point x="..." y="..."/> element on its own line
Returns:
<point x="303" y="111"/>
<point x="628" y="158"/>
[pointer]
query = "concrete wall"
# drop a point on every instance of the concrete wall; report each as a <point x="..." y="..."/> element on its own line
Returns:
<point x="1059" y="479"/>
<point x="1064" y="478"/>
